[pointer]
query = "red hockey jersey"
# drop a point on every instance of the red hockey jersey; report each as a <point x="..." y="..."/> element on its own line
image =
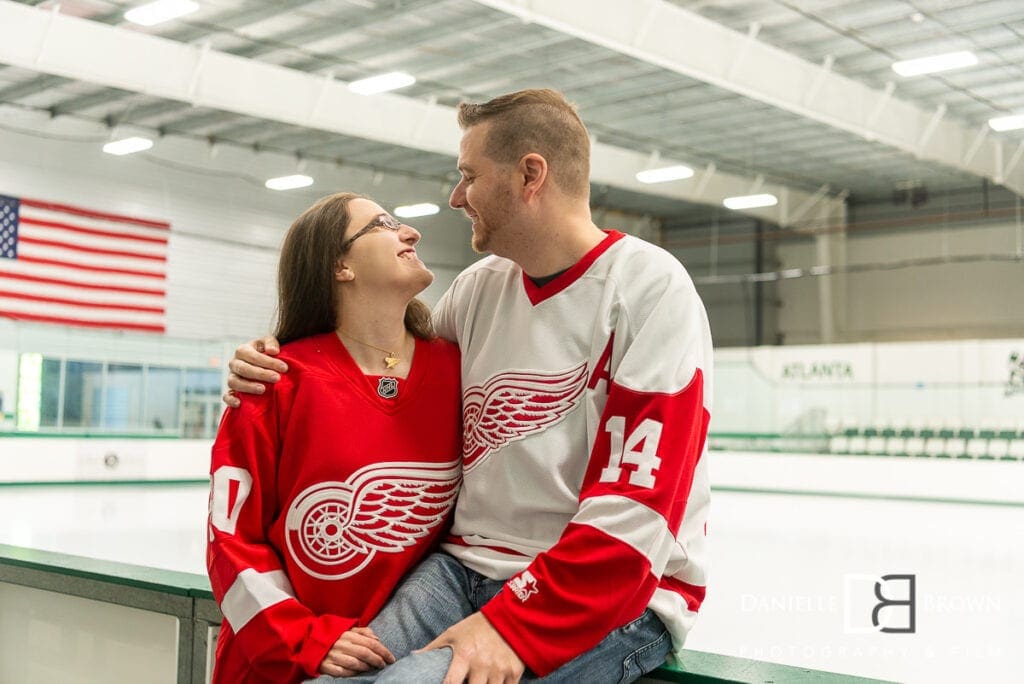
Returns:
<point x="325" y="492"/>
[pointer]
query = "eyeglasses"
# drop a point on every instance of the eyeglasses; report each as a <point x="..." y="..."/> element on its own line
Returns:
<point x="386" y="221"/>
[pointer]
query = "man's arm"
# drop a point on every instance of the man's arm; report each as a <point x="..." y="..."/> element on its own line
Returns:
<point x="252" y="366"/>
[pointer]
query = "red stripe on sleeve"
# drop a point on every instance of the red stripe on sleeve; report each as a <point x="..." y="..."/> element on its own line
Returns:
<point x="691" y="593"/>
<point x="575" y="594"/>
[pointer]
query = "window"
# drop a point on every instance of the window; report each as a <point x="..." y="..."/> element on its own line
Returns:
<point x="201" y="403"/>
<point x="83" y="382"/>
<point x="90" y="396"/>
<point x="49" y="396"/>
<point x="163" y="397"/>
<point x="122" y="398"/>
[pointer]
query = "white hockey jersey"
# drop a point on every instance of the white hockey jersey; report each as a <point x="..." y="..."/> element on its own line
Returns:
<point x="585" y="408"/>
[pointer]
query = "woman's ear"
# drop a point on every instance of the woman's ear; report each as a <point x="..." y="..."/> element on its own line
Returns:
<point x="343" y="273"/>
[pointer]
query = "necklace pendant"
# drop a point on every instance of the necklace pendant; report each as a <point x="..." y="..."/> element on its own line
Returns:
<point x="391" y="360"/>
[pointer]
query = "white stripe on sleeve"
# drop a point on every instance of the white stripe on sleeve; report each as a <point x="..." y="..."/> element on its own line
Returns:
<point x="253" y="592"/>
<point x="633" y="523"/>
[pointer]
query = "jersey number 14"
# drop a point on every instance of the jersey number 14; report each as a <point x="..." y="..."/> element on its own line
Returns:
<point x="639" y="449"/>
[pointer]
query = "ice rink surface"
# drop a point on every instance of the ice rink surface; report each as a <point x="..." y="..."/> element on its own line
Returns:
<point x="792" y="580"/>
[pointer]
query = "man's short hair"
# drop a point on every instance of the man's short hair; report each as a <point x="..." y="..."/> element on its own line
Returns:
<point x="541" y="121"/>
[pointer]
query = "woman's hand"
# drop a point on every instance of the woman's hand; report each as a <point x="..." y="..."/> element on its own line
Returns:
<point x="253" y="361"/>
<point x="357" y="650"/>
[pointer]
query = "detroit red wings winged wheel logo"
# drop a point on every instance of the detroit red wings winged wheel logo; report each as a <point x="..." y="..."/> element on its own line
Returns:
<point x="513" y="405"/>
<point x="334" y="529"/>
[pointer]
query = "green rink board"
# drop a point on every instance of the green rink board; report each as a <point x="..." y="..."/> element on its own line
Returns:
<point x="113" y="582"/>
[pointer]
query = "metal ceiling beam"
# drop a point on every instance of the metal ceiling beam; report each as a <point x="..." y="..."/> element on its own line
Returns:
<point x="64" y="46"/>
<point x="445" y="68"/>
<point x="37" y="85"/>
<point x="227" y="22"/>
<point x="306" y="34"/>
<point x="248" y="17"/>
<point x="371" y="47"/>
<point x="682" y="41"/>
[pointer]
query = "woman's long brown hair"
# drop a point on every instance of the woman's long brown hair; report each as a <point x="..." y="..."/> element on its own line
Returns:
<point x="306" y="293"/>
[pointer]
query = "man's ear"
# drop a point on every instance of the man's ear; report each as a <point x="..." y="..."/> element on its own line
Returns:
<point x="533" y="168"/>
<point x="343" y="273"/>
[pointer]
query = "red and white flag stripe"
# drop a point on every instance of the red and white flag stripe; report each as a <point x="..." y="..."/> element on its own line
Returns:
<point x="77" y="266"/>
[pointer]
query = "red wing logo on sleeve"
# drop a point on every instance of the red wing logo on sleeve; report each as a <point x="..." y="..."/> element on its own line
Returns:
<point x="512" y="405"/>
<point x="333" y="529"/>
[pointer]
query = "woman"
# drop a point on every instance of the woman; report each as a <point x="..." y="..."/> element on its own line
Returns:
<point x="328" y="488"/>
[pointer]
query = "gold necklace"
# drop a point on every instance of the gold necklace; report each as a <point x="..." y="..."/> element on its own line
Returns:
<point x="390" y="358"/>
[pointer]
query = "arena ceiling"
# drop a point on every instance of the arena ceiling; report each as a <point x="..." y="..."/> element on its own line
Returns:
<point x="793" y="97"/>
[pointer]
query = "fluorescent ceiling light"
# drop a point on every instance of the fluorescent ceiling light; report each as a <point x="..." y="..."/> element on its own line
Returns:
<point x="160" y="11"/>
<point x="935" y="63"/>
<point x="299" y="180"/>
<point x="662" y="175"/>
<point x="382" y="83"/>
<point x="127" y="146"/>
<point x="415" y="210"/>
<point x="1007" y="123"/>
<point x="750" y="201"/>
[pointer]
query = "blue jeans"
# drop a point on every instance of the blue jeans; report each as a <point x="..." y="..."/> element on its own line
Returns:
<point x="441" y="591"/>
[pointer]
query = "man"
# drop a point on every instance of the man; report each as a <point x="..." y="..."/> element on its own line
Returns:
<point x="577" y="551"/>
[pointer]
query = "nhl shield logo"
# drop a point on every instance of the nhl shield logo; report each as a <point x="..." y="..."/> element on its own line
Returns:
<point x="387" y="388"/>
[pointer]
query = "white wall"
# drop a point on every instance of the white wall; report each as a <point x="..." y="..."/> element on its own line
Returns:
<point x="226" y="228"/>
<point x="50" y="636"/>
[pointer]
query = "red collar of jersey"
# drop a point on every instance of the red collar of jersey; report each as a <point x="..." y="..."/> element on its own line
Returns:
<point x="550" y="289"/>
<point x="367" y="384"/>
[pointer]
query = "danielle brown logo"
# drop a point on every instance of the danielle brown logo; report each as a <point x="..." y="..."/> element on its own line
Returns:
<point x="885" y="604"/>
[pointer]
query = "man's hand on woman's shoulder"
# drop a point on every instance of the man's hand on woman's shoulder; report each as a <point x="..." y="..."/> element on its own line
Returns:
<point x="252" y="366"/>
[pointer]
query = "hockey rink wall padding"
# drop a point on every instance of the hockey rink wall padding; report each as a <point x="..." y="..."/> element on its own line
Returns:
<point x="115" y="622"/>
<point x="101" y="459"/>
<point x="818" y="388"/>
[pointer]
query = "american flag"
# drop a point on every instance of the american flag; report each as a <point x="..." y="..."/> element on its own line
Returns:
<point x="74" y="266"/>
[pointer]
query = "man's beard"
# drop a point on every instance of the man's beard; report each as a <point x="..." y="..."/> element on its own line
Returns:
<point x="479" y="241"/>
